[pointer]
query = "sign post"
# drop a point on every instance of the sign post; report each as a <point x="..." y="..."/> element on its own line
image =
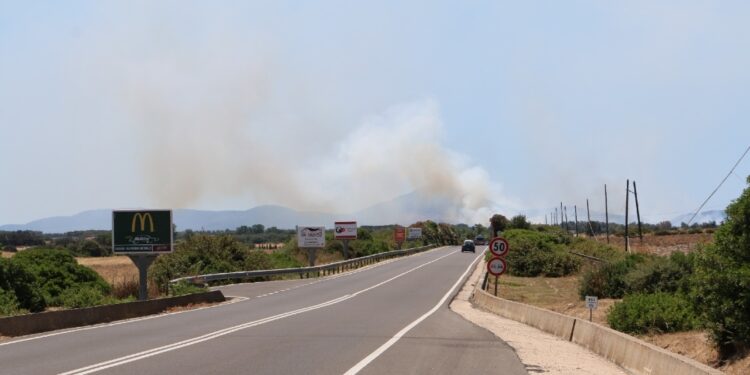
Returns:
<point x="496" y="266"/>
<point x="399" y="235"/>
<point x="499" y="248"/>
<point x="142" y="235"/>
<point x="311" y="238"/>
<point x="345" y="231"/>
<point x="592" y="302"/>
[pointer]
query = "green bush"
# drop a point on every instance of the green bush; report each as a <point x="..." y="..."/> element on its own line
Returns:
<point x="608" y="280"/>
<point x="722" y="279"/>
<point x="55" y="271"/>
<point x="85" y="296"/>
<point x="533" y="253"/>
<point x="9" y="304"/>
<point x="519" y="222"/>
<point x="18" y="287"/>
<point x="662" y="274"/>
<point x="658" y="312"/>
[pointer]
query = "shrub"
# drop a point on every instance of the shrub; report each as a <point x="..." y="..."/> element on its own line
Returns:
<point x="18" y="288"/>
<point x="609" y="280"/>
<point x="85" y="296"/>
<point x="519" y="222"/>
<point x="659" y="312"/>
<point x="183" y="288"/>
<point x="9" y="304"/>
<point x="722" y="279"/>
<point x="534" y="253"/>
<point x="55" y="271"/>
<point x="662" y="274"/>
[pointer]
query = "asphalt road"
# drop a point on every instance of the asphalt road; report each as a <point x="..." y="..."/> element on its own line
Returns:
<point x="391" y="318"/>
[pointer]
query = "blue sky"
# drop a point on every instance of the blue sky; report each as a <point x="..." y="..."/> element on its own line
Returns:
<point x="339" y="105"/>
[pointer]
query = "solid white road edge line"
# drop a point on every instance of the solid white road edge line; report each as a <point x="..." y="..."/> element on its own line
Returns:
<point x="367" y="360"/>
<point x="212" y="335"/>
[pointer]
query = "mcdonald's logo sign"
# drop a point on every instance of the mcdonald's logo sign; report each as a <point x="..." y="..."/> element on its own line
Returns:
<point x="142" y="231"/>
<point x="142" y="218"/>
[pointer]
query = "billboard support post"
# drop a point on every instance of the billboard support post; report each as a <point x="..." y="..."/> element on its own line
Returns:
<point x="346" y="248"/>
<point x="142" y="261"/>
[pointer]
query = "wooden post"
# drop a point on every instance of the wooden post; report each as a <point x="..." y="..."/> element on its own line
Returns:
<point x="556" y="216"/>
<point x="606" y="212"/>
<point x="638" y="212"/>
<point x="575" y="211"/>
<point x="567" y="227"/>
<point x="562" y="218"/>
<point x="495" y="286"/>
<point x="588" y="214"/>
<point x="627" y="198"/>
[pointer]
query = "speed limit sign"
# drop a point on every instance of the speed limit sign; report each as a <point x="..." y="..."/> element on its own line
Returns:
<point x="496" y="266"/>
<point x="499" y="246"/>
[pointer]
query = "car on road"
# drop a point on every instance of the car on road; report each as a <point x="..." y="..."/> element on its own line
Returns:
<point x="468" y="246"/>
<point x="479" y="240"/>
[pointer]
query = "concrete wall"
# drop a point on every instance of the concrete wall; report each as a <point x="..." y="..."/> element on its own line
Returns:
<point x="53" y="320"/>
<point x="634" y="355"/>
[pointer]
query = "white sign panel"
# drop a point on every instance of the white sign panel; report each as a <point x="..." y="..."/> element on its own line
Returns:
<point x="345" y="230"/>
<point x="414" y="233"/>
<point x="309" y="237"/>
<point x="592" y="302"/>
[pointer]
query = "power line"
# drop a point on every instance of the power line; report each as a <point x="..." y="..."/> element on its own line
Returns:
<point x="721" y="183"/>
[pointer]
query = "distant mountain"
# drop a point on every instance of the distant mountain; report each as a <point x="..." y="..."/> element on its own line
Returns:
<point x="270" y="216"/>
<point x="704" y="217"/>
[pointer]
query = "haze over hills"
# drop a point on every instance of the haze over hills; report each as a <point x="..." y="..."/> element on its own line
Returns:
<point x="403" y="210"/>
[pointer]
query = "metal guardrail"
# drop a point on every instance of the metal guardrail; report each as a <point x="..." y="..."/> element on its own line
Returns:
<point x="324" y="269"/>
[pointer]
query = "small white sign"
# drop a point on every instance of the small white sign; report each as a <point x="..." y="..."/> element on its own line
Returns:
<point x="592" y="302"/>
<point x="414" y="233"/>
<point x="345" y="230"/>
<point x="310" y="237"/>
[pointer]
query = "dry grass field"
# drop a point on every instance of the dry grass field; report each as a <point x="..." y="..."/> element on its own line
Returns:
<point x="662" y="245"/>
<point x="114" y="269"/>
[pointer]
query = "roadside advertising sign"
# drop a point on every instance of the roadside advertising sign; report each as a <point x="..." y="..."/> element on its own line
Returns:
<point x="311" y="237"/>
<point x="345" y="230"/>
<point x="414" y="233"/>
<point x="142" y="231"/>
<point x="399" y="234"/>
<point x="499" y="247"/>
<point x="496" y="266"/>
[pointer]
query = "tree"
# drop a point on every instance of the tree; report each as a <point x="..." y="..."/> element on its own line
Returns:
<point x="498" y="223"/>
<point x="258" y="228"/>
<point x="721" y="290"/>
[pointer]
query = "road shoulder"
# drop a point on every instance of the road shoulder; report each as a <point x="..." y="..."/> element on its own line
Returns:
<point x="539" y="352"/>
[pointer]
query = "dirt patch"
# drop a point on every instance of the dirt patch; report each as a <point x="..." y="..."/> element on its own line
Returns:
<point x="6" y="254"/>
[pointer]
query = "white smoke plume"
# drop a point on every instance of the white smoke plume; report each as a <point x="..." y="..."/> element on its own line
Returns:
<point x="221" y="120"/>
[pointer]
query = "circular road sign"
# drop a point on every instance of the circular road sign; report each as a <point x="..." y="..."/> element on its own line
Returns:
<point x="499" y="246"/>
<point x="497" y="266"/>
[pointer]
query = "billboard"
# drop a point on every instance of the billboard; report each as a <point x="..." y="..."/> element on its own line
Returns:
<point x="310" y="237"/>
<point x="142" y="231"/>
<point x="414" y="233"/>
<point x="345" y="230"/>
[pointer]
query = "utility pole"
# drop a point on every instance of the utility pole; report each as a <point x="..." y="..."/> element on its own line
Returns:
<point x="627" y="196"/>
<point x="638" y="212"/>
<point x="555" y="215"/>
<point x="545" y="219"/>
<point x="566" y="219"/>
<point x="588" y="214"/>
<point x="575" y="210"/>
<point x="562" y="218"/>
<point x="606" y="211"/>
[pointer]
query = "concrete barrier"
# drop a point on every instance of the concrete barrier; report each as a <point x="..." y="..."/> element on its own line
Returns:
<point x="635" y="355"/>
<point x="53" y="320"/>
<point x="632" y="354"/>
<point x="548" y="321"/>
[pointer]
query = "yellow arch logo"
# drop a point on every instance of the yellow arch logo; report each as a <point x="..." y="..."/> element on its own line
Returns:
<point x="142" y="218"/>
